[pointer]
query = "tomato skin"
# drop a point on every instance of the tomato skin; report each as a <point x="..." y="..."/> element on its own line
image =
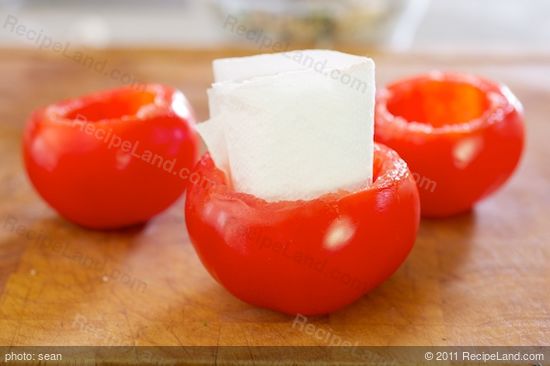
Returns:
<point x="471" y="146"/>
<point x="304" y="257"/>
<point x="98" y="160"/>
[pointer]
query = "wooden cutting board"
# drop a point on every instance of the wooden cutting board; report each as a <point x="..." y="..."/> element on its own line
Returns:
<point x="482" y="278"/>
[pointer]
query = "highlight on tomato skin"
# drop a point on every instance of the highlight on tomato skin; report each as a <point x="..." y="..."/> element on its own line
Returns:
<point x="461" y="135"/>
<point x="114" y="158"/>
<point x="307" y="257"/>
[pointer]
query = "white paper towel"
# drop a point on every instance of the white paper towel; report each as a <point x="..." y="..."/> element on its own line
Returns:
<point x="288" y="126"/>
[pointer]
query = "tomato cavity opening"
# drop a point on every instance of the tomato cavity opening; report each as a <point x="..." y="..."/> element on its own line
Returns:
<point x="115" y="106"/>
<point x="437" y="102"/>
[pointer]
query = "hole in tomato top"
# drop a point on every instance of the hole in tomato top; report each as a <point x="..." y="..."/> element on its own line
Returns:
<point x="437" y="102"/>
<point x="116" y="105"/>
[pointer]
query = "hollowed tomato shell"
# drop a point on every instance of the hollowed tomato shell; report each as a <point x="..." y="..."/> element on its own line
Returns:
<point x="306" y="257"/>
<point x="462" y="136"/>
<point x="114" y="158"/>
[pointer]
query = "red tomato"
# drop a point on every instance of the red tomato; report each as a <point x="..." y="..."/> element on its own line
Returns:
<point x="114" y="158"/>
<point x="462" y="136"/>
<point x="307" y="257"/>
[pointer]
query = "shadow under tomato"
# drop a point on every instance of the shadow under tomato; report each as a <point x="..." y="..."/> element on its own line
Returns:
<point x="58" y="228"/>
<point x="125" y="230"/>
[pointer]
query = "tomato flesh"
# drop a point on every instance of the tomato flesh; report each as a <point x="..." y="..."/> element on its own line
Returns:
<point x="112" y="159"/>
<point x="462" y="136"/>
<point x="307" y="257"/>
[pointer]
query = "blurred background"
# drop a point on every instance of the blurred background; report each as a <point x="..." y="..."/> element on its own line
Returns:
<point x="449" y="26"/>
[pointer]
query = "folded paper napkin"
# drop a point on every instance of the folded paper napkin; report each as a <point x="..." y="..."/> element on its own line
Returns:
<point x="292" y="125"/>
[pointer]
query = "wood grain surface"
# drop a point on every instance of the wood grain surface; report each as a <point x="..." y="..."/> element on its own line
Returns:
<point x="478" y="279"/>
